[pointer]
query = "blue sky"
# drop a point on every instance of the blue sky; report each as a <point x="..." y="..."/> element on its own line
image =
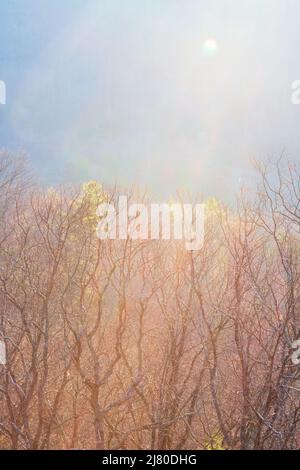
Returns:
<point x="123" y="91"/>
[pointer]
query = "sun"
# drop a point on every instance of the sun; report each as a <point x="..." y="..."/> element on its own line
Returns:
<point x="210" y="47"/>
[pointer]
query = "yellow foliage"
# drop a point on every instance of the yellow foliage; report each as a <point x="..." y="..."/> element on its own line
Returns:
<point x="93" y="195"/>
<point x="215" y="442"/>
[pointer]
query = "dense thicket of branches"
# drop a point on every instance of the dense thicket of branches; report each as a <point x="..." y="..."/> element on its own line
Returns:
<point x="142" y="344"/>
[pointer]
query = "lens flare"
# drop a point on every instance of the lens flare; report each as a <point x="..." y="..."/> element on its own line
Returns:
<point x="210" y="47"/>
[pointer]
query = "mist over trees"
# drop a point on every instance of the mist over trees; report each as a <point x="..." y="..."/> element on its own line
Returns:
<point x="122" y="344"/>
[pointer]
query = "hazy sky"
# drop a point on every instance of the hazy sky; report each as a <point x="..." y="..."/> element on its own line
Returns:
<point x="126" y="91"/>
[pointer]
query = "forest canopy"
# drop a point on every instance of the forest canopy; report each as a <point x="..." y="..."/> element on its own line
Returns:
<point x="122" y="344"/>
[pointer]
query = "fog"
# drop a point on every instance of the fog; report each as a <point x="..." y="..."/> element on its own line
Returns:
<point x="131" y="92"/>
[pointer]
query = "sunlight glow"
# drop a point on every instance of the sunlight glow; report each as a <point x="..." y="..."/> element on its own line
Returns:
<point x="210" y="47"/>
